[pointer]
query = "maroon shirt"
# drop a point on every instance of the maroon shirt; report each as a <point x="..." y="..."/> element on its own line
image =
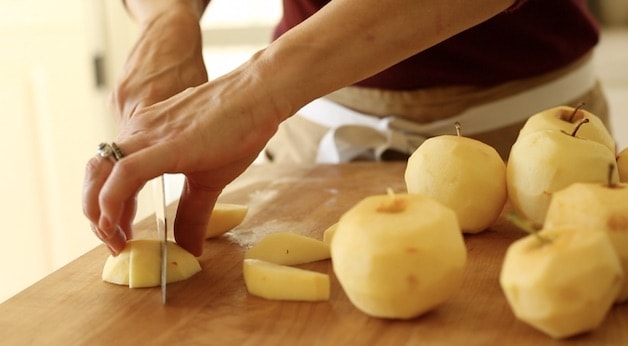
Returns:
<point x="537" y="37"/>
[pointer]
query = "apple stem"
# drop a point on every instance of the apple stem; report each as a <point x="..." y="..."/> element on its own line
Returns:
<point x="575" y="130"/>
<point x="458" y="127"/>
<point x="575" y="111"/>
<point x="527" y="226"/>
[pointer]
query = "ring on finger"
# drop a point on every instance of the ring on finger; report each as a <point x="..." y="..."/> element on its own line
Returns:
<point x="112" y="151"/>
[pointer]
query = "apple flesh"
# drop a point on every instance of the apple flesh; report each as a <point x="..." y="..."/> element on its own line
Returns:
<point x="462" y="173"/>
<point x="288" y="248"/>
<point x="622" y="165"/>
<point x="398" y="256"/>
<point x="328" y="234"/>
<point x="564" y="118"/>
<point x="279" y="282"/>
<point x="139" y="264"/>
<point x="564" y="286"/>
<point x="593" y="208"/>
<point x="224" y="218"/>
<point x="546" y="161"/>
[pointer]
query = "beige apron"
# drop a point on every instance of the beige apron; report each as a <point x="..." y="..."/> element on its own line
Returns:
<point x="372" y="124"/>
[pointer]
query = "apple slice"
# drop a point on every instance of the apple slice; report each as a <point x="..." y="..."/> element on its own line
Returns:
<point x="561" y="281"/>
<point x="328" y="234"/>
<point x="116" y="269"/>
<point x="138" y="265"/>
<point x="279" y="282"/>
<point x="224" y="218"/>
<point x="288" y="248"/>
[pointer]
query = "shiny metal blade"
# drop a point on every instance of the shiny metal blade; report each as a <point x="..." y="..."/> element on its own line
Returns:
<point x="162" y="231"/>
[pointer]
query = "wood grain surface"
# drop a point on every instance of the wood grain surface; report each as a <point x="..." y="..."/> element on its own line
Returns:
<point x="73" y="306"/>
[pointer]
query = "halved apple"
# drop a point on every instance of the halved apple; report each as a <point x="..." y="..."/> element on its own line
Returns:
<point x="138" y="265"/>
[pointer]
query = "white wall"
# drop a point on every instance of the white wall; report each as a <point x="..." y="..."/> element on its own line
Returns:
<point x="51" y="123"/>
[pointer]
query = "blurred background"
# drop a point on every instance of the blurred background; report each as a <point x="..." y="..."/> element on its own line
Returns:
<point x="58" y="63"/>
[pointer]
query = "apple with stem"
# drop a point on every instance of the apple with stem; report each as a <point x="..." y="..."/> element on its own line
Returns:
<point x="398" y="255"/>
<point x="546" y="161"/>
<point x="595" y="207"/>
<point x="564" y="118"/>
<point x="561" y="281"/>
<point x="462" y="173"/>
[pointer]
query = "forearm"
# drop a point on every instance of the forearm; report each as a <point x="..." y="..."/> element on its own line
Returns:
<point x="349" y="40"/>
<point x="145" y="10"/>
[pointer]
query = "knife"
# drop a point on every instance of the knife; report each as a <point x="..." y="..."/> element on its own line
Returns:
<point x="162" y="231"/>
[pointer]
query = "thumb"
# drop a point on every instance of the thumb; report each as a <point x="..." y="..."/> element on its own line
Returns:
<point x="195" y="207"/>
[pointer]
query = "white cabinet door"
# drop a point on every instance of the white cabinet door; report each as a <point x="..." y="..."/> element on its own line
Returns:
<point x="53" y="118"/>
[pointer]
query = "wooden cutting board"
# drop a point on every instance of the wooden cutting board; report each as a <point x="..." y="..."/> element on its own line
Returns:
<point x="73" y="306"/>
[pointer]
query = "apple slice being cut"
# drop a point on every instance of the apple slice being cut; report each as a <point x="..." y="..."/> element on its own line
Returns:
<point x="279" y="282"/>
<point x="288" y="248"/>
<point x="138" y="265"/>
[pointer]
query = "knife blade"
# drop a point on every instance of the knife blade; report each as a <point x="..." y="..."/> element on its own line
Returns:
<point x="162" y="231"/>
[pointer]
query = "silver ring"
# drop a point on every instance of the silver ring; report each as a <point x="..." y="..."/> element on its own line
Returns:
<point x="110" y="150"/>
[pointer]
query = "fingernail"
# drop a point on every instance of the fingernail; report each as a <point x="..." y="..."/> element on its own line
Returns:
<point x="117" y="241"/>
<point x="105" y="227"/>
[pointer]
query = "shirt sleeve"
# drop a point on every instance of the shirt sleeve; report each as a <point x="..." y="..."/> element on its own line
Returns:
<point x="516" y="5"/>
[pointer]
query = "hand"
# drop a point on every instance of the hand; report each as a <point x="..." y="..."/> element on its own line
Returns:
<point x="166" y="60"/>
<point x="210" y="133"/>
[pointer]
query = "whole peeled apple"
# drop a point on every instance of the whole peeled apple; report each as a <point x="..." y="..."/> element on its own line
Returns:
<point x="622" y="165"/>
<point x="546" y="161"/>
<point x="593" y="208"/>
<point x="565" y="118"/>
<point x="462" y="173"/>
<point x="561" y="281"/>
<point x="398" y="255"/>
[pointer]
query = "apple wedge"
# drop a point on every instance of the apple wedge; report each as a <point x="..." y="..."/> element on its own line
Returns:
<point x="224" y="218"/>
<point x="138" y="265"/>
<point x="280" y="282"/>
<point x="288" y="248"/>
<point x="328" y="234"/>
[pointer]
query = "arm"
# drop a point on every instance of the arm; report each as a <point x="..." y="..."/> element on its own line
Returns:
<point x="161" y="63"/>
<point x="212" y="132"/>
<point x="350" y="40"/>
